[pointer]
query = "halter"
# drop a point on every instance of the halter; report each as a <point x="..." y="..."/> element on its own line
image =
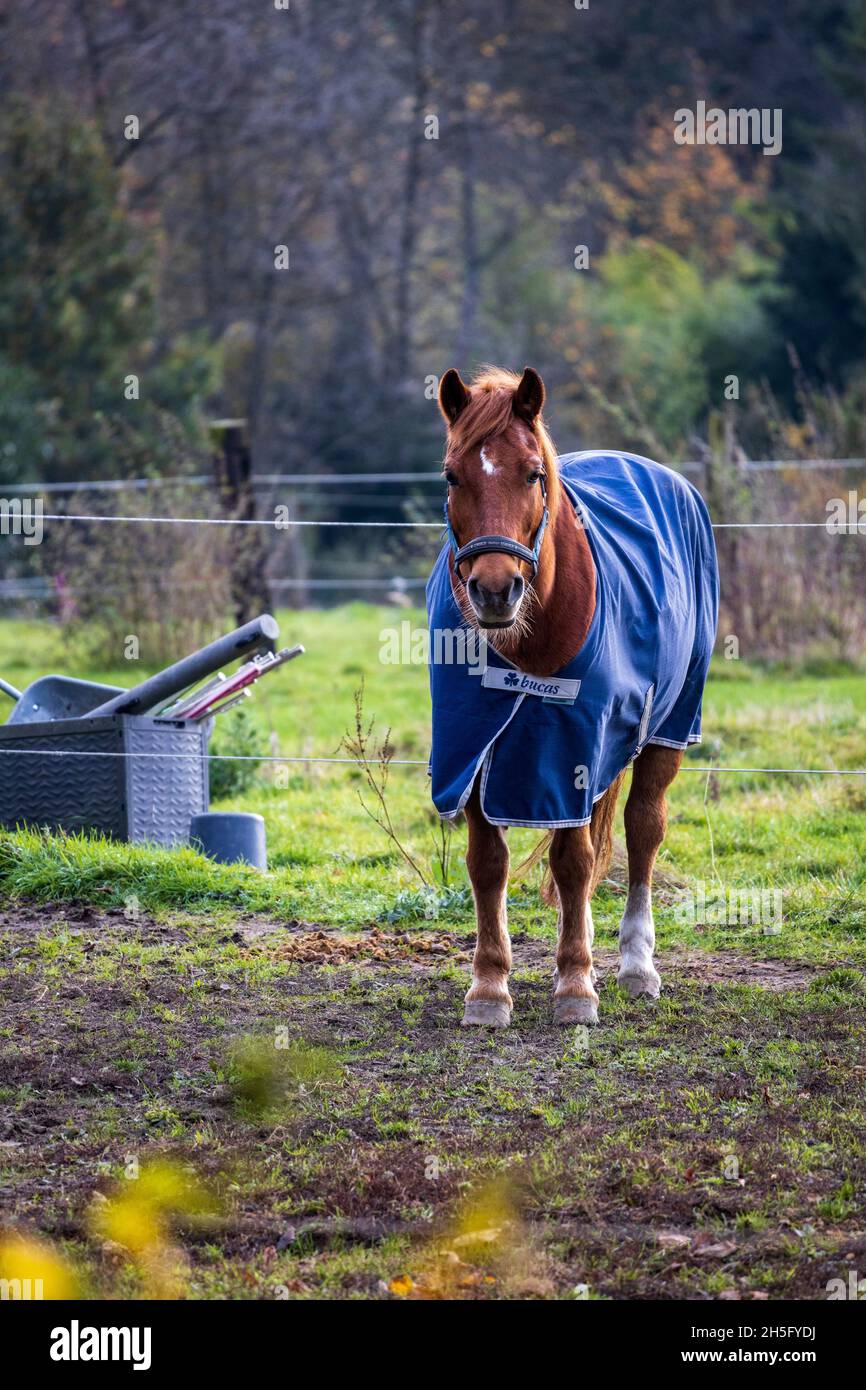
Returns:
<point x="499" y="545"/>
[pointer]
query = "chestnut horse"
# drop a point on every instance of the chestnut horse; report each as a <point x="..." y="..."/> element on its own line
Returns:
<point x="501" y="471"/>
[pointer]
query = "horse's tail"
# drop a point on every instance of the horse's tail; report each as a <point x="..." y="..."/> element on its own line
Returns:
<point x="534" y="857"/>
<point x="601" y="830"/>
<point x="601" y="834"/>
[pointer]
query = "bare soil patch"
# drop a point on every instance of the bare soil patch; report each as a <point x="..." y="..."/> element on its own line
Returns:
<point x="617" y="1147"/>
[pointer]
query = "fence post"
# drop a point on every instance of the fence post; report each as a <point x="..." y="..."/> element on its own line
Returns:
<point x="232" y="464"/>
<point x="728" y="498"/>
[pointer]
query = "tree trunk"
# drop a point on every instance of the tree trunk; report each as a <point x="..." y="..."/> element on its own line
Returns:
<point x="402" y="347"/>
<point x="233" y="477"/>
<point x="471" y="297"/>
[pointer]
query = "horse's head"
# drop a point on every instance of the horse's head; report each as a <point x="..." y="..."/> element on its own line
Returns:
<point x="496" y="460"/>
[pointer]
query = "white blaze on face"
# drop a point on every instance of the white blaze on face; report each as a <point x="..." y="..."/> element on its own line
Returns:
<point x="487" y="463"/>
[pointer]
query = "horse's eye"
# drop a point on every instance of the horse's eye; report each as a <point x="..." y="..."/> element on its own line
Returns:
<point x="534" y="476"/>
<point x="451" y="478"/>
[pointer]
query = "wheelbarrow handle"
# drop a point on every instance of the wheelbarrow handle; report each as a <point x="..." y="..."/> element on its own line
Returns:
<point x="10" y="690"/>
<point x="259" y="634"/>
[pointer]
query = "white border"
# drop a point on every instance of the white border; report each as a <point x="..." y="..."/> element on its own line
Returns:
<point x="467" y="790"/>
<point x="669" y="743"/>
<point x="532" y="824"/>
<point x="484" y="763"/>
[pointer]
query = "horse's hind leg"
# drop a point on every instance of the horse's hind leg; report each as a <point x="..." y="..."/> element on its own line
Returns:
<point x="645" y="824"/>
<point x="488" y="1002"/>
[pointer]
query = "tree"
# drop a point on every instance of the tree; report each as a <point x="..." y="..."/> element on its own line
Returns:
<point x="76" y="306"/>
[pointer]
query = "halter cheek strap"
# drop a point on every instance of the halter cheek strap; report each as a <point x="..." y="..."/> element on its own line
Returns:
<point x="498" y="545"/>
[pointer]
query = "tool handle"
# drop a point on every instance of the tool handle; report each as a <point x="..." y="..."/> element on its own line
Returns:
<point x="259" y="634"/>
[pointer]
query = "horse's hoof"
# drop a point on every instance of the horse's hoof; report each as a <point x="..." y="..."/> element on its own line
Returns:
<point x="640" y="984"/>
<point x="575" y="1011"/>
<point x="486" y="1014"/>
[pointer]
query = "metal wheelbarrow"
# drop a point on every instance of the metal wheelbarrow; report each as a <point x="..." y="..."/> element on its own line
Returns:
<point x="79" y="756"/>
<point x="56" y="697"/>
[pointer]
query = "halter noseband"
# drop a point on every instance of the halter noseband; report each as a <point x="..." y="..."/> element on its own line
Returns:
<point x="498" y="545"/>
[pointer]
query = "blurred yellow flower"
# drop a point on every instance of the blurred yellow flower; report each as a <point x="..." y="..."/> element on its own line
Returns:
<point x="137" y="1220"/>
<point x="32" y="1269"/>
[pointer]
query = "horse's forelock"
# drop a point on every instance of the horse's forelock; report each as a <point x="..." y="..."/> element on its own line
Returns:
<point x="490" y="412"/>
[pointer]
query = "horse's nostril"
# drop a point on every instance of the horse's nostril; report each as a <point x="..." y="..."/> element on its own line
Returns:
<point x="515" y="592"/>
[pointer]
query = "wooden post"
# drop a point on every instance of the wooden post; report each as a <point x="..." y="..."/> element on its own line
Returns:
<point x="232" y="465"/>
<point x="727" y="497"/>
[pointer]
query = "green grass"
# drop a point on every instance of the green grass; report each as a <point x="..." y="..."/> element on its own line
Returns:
<point x="798" y="836"/>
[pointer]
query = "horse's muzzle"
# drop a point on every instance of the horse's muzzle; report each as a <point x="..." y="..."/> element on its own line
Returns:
<point x="496" y="608"/>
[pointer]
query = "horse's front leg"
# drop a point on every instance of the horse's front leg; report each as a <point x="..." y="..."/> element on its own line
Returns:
<point x="488" y="1002"/>
<point x="645" y="825"/>
<point x="572" y="860"/>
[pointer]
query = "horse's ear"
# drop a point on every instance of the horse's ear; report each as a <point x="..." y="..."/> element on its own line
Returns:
<point x="453" y="395"/>
<point x="529" y="396"/>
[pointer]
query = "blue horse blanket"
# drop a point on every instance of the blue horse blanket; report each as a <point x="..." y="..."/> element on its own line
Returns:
<point x="547" y="748"/>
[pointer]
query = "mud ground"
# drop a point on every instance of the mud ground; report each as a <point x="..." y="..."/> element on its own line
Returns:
<point x="707" y="1146"/>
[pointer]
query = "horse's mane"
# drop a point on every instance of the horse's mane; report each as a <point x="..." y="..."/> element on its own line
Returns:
<point x="489" y="413"/>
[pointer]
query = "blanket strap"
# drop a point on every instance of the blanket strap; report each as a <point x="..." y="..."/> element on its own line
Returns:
<point x="498" y="545"/>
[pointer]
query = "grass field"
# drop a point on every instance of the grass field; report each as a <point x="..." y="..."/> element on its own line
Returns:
<point x="218" y="1083"/>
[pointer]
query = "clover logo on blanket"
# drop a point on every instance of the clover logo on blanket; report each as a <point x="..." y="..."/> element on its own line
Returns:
<point x="512" y="678"/>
